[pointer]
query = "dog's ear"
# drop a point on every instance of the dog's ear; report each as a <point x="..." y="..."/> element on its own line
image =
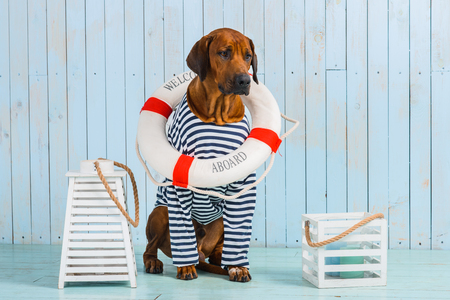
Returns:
<point x="254" y="62"/>
<point x="198" y="58"/>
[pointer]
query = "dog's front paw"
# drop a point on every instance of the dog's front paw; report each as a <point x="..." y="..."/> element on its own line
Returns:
<point x="153" y="266"/>
<point x="240" y="274"/>
<point x="186" y="273"/>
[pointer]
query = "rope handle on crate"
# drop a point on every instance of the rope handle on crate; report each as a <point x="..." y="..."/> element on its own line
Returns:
<point x="108" y="189"/>
<point x="340" y="236"/>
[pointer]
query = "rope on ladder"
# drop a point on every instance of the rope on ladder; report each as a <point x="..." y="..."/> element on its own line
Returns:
<point x="111" y="194"/>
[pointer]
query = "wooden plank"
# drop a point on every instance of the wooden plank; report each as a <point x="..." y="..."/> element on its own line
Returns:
<point x="420" y="161"/>
<point x="94" y="202"/>
<point x="96" y="211"/>
<point x="399" y="124"/>
<point x="76" y="83"/>
<point x="96" y="236"/>
<point x="93" y="186"/>
<point x="173" y="38"/>
<point x="154" y="78"/>
<point x="212" y="15"/>
<point x="95" y="78"/>
<point x="115" y="80"/>
<point x="378" y="139"/>
<point x="295" y="108"/>
<point x="440" y="31"/>
<point x="96" y="261"/>
<point x="65" y="241"/>
<point x="97" y="245"/>
<point x="95" y="253"/>
<point x="20" y="122"/>
<point x="357" y="105"/>
<point x="104" y="277"/>
<point x="39" y="154"/>
<point x="96" y="219"/>
<point x="315" y="107"/>
<point x="336" y="141"/>
<point x="254" y="29"/>
<point x="57" y="115"/>
<point x="233" y="14"/>
<point x="276" y="179"/>
<point x="336" y="34"/>
<point x="440" y="161"/>
<point x="91" y="227"/>
<point x="101" y="269"/>
<point x="6" y="228"/>
<point x="193" y="26"/>
<point x="135" y="97"/>
<point x="94" y="195"/>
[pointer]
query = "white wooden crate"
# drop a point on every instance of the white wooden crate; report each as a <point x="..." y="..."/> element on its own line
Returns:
<point x="369" y="253"/>
<point x="97" y="244"/>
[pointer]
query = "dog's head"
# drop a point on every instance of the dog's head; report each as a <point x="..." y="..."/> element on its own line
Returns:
<point x="225" y="55"/>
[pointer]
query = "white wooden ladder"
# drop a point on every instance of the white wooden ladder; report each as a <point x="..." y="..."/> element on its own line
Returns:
<point x="97" y="243"/>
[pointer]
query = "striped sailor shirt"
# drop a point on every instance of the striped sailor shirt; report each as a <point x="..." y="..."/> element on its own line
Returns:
<point x="192" y="137"/>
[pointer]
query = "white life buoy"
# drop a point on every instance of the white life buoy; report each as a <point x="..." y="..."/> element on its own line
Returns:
<point x="184" y="170"/>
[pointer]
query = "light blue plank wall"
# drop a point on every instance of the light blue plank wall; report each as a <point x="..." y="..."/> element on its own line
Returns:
<point x="357" y="105"/>
<point x="154" y="77"/>
<point x="20" y="122"/>
<point x="316" y="192"/>
<point x="76" y="83"/>
<point x="115" y="80"/>
<point x="399" y="124"/>
<point x="276" y="179"/>
<point x="39" y="155"/>
<point x="420" y="117"/>
<point x="57" y="114"/>
<point x="295" y="108"/>
<point x="440" y="127"/>
<point x="95" y="78"/>
<point x="254" y="28"/>
<point x="135" y="97"/>
<point x="336" y="142"/>
<point x="74" y="75"/>
<point x="377" y="90"/>
<point x="192" y="26"/>
<point x="5" y="130"/>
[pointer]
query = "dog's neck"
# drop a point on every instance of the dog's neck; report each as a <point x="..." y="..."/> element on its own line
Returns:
<point x="208" y="103"/>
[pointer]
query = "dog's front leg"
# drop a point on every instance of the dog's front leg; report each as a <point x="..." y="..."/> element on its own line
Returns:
<point x="187" y="272"/>
<point x="240" y="274"/>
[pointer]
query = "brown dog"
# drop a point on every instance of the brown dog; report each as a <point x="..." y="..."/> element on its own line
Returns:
<point x="221" y="60"/>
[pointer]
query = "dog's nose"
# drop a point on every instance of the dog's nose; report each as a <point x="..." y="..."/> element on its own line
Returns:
<point x="242" y="80"/>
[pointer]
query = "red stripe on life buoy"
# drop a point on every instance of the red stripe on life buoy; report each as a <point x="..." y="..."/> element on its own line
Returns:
<point x="181" y="171"/>
<point x="158" y="106"/>
<point x="266" y="136"/>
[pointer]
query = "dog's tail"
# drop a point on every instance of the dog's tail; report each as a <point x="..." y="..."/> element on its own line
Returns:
<point x="204" y="266"/>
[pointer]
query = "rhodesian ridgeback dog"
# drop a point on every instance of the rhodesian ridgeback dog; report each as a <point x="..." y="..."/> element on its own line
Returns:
<point x="221" y="60"/>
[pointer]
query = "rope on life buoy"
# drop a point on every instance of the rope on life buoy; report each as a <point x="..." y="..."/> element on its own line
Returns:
<point x="212" y="193"/>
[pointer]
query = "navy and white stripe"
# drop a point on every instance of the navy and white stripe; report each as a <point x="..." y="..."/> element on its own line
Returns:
<point x="190" y="136"/>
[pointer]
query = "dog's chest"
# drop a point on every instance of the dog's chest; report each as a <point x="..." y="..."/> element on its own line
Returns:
<point x="190" y="136"/>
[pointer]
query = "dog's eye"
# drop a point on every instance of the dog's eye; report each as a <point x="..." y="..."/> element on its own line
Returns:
<point x="224" y="54"/>
<point x="248" y="57"/>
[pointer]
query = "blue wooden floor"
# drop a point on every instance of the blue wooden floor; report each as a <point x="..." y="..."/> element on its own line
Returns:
<point x="31" y="272"/>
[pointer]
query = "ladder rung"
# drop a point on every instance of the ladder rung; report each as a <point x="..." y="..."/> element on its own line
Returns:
<point x="96" y="253"/>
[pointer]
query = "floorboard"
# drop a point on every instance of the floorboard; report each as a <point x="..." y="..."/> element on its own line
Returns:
<point x="31" y="272"/>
